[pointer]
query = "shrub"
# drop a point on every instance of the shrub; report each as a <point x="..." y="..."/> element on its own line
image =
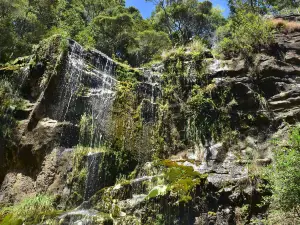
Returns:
<point x="197" y="46"/>
<point x="245" y="34"/>
<point x="150" y="45"/>
<point x="194" y="50"/>
<point x="284" y="176"/>
<point x="31" y="210"/>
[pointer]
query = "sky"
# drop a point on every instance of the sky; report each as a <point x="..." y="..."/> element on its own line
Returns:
<point x="147" y="7"/>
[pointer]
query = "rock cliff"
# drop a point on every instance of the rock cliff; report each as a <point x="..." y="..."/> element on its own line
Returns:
<point x="178" y="143"/>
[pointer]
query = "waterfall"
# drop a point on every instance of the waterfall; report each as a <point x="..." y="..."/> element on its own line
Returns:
<point x="152" y="92"/>
<point x="101" y="100"/>
<point x="93" y="179"/>
<point x="71" y="81"/>
<point x="154" y="86"/>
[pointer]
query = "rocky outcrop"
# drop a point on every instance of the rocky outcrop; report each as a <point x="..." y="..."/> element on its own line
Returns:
<point x="179" y="143"/>
<point x="59" y="83"/>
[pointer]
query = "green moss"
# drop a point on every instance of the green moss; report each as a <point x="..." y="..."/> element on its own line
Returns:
<point x="79" y="169"/>
<point x="105" y="219"/>
<point x="126" y="73"/>
<point x="10" y="102"/>
<point x="11" y="220"/>
<point x="183" y="66"/>
<point x="115" y="212"/>
<point x="77" y="178"/>
<point x="102" y="200"/>
<point x="52" y="52"/>
<point x="208" y="110"/>
<point x="127" y="128"/>
<point x="180" y="180"/>
<point x="157" y="191"/>
<point x="86" y="130"/>
<point x="82" y="91"/>
<point x="9" y="68"/>
<point x="212" y="213"/>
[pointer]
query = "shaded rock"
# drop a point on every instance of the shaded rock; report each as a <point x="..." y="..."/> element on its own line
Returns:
<point x="225" y="216"/>
<point x="53" y="177"/>
<point x="49" y="134"/>
<point x="16" y="187"/>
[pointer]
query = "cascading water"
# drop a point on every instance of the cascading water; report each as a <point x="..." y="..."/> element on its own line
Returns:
<point x="72" y="81"/>
<point x="92" y="180"/>
<point x="94" y="71"/>
<point x="100" y="100"/>
<point x="154" y="92"/>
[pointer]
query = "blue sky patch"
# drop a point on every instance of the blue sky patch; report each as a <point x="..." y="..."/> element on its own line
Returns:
<point x="147" y="7"/>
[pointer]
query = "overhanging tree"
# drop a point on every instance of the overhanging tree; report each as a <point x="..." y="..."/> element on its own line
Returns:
<point x="183" y="20"/>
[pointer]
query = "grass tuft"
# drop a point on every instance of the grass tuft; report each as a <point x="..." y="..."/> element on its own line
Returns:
<point x="286" y="26"/>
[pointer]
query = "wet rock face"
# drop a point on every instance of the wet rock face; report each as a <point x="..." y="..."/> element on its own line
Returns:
<point x="262" y="96"/>
<point x="59" y="85"/>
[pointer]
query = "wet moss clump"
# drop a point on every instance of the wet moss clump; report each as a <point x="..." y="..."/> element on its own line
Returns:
<point x="129" y="132"/>
<point x="126" y="73"/>
<point x="77" y="179"/>
<point x="182" y="180"/>
<point x="112" y="164"/>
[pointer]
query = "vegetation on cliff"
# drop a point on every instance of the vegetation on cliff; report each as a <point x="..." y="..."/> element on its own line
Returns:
<point x="31" y="210"/>
<point x="192" y="108"/>
<point x="284" y="177"/>
<point x="10" y="101"/>
<point x="245" y="33"/>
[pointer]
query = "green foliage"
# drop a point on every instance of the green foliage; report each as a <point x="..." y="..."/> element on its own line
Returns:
<point x="150" y="45"/>
<point x="112" y="34"/>
<point x="182" y="180"/>
<point x="109" y="26"/>
<point x="31" y="210"/>
<point x="245" y="33"/>
<point x="10" y="220"/>
<point x="208" y="115"/>
<point x="123" y="34"/>
<point x="183" y="20"/>
<point x="86" y="130"/>
<point x="127" y="74"/>
<point x="19" y="26"/>
<point x="24" y="23"/>
<point x="284" y="175"/>
<point x="128" y="131"/>
<point x="193" y="51"/>
<point x="262" y="6"/>
<point x="9" y="102"/>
